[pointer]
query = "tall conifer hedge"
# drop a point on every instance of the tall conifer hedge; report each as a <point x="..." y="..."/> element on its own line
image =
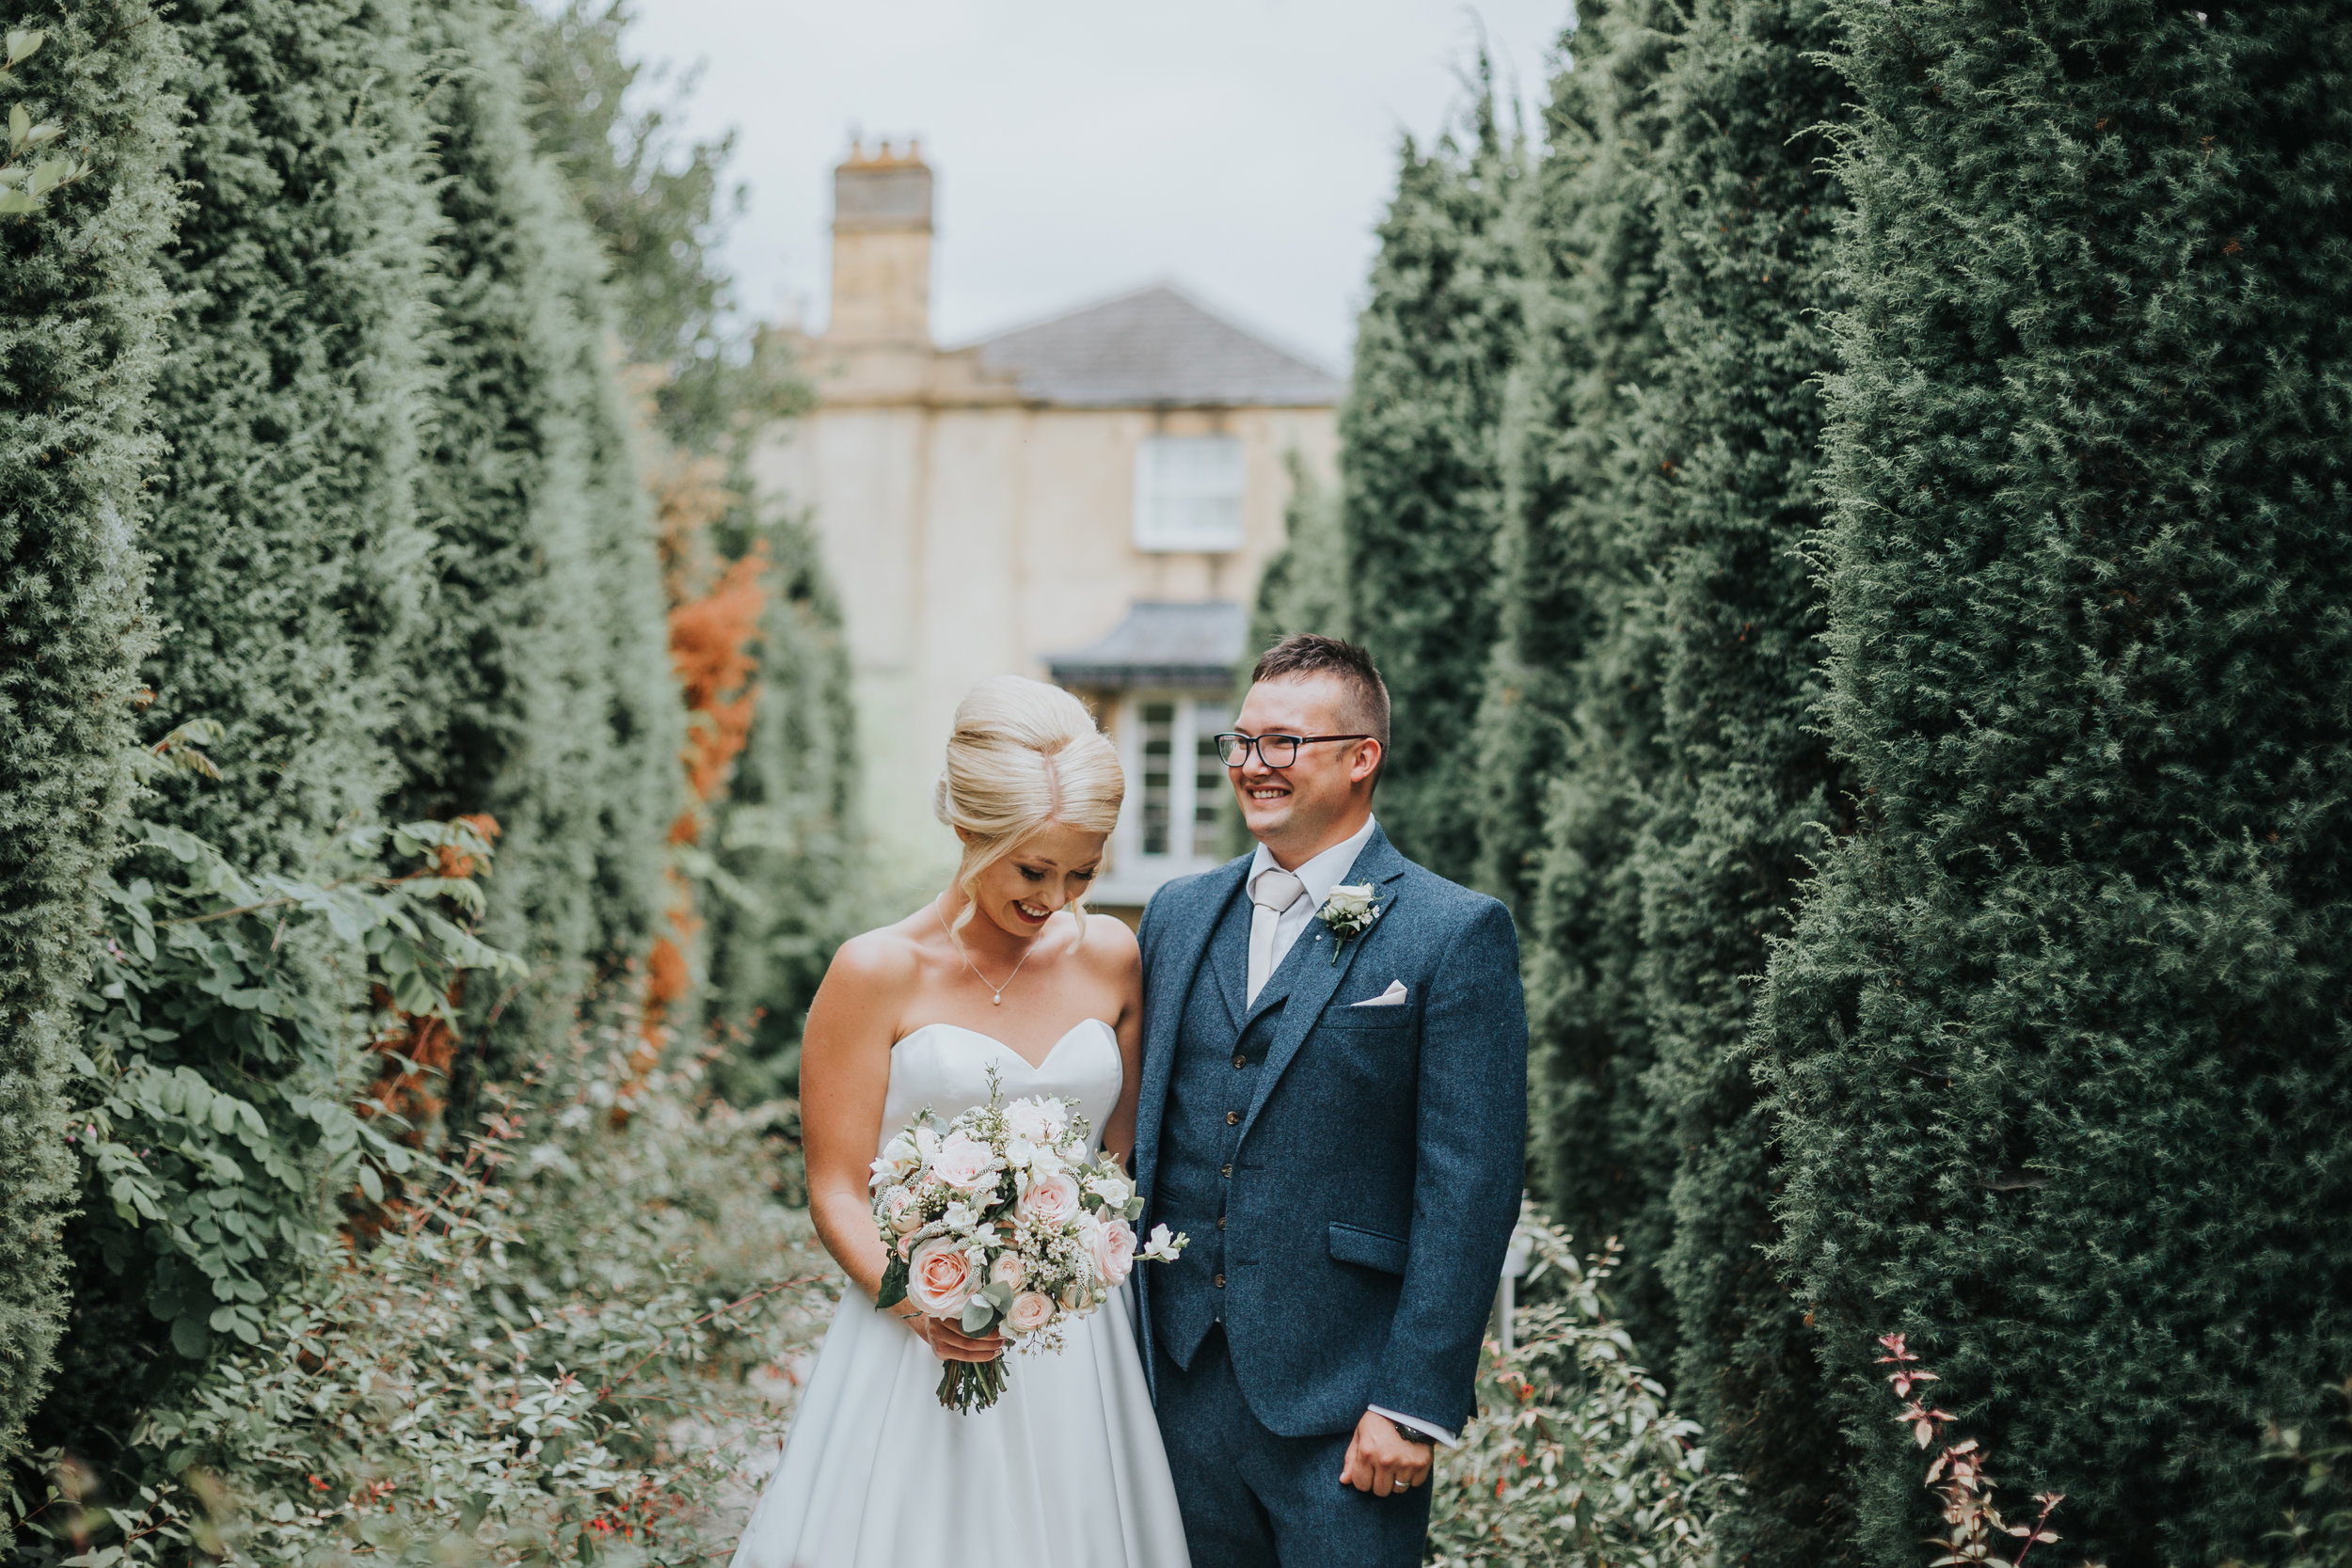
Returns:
<point x="1578" y="567"/>
<point x="81" y="322"/>
<point x="534" y="680"/>
<point x="1745" y="214"/>
<point x="1419" y="485"/>
<point x="288" y="557"/>
<point x="2062" y="1038"/>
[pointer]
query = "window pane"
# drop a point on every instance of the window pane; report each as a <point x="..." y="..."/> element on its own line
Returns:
<point x="1159" y="724"/>
<point x="1188" y="493"/>
<point x="1209" y="787"/>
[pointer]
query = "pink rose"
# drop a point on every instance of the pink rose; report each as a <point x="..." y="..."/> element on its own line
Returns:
<point x="939" y="1276"/>
<point x="898" y="1208"/>
<point x="1032" y="1311"/>
<point x="965" y="1163"/>
<point x="1050" y="1201"/>
<point x="1114" y="1247"/>
<point x="1007" y="1270"/>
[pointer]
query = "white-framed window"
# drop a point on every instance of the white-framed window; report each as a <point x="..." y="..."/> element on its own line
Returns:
<point x="1173" y="822"/>
<point x="1188" y="493"/>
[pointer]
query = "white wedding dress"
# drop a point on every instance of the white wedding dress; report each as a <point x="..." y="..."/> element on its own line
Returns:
<point x="1064" y="1471"/>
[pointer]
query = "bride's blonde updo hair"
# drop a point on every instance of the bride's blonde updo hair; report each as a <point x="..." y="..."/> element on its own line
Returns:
<point x="1023" y="754"/>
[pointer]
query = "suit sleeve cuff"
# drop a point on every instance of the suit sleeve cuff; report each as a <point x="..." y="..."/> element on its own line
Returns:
<point x="1436" y="1434"/>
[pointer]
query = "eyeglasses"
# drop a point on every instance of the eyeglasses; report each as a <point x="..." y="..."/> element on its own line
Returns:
<point x="1274" y="751"/>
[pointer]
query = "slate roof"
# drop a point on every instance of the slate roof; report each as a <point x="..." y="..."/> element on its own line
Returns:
<point x="1160" y="643"/>
<point x="1154" y="346"/>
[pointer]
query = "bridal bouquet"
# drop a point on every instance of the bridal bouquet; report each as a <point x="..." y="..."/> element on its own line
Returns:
<point x="1007" y="1220"/>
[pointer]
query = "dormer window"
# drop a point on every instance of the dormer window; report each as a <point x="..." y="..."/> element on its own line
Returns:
<point x="1188" y="494"/>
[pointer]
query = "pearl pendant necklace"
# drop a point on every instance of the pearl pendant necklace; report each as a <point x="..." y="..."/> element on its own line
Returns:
<point x="996" y="992"/>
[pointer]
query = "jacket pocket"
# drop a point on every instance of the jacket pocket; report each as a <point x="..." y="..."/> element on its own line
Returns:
<point x="1374" y="1249"/>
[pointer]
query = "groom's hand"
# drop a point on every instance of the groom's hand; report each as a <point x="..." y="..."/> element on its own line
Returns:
<point x="1381" y="1459"/>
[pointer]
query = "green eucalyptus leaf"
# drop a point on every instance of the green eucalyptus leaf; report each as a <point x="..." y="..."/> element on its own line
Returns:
<point x="23" y="43"/>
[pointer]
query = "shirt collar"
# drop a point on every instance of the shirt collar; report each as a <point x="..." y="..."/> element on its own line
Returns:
<point x="1322" y="874"/>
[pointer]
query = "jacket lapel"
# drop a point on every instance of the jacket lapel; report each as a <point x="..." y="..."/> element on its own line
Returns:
<point x="1316" y="980"/>
<point x="1168" y="980"/>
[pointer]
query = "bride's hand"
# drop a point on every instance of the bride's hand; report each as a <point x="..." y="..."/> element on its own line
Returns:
<point x="950" y="1343"/>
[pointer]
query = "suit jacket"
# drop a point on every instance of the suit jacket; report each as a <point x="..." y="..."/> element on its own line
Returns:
<point x="1377" y="1175"/>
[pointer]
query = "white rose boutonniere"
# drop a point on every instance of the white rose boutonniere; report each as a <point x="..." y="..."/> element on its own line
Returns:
<point x="1349" y="911"/>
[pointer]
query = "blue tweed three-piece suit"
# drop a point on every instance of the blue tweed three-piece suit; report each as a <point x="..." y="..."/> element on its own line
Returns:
<point x="1349" y="1177"/>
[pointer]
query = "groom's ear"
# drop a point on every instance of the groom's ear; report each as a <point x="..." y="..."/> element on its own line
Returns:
<point x="1367" y="763"/>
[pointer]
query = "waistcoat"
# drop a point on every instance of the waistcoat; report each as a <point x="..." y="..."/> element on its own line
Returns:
<point x="1212" y="1082"/>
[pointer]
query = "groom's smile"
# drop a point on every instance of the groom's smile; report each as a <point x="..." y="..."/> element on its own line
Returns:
<point x="1324" y="792"/>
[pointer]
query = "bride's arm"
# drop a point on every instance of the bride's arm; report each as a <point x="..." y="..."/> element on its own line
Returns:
<point x="1114" y="946"/>
<point x="845" y="1079"/>
<point x="845" y="1075"/>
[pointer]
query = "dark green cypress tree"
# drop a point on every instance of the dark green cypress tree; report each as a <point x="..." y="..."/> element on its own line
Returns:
<point x="2062" y="1040"/>
<point x="1728" y="434"/>
<point x="1420" y="490"/>
<point x="540" y="690"/>
<point x="288" y="558"/>
<point x="1571" y="733"/>
<point x="81" y="322"/>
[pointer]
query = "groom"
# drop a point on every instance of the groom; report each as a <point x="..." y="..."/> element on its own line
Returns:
<point x="1335" y="1112"/>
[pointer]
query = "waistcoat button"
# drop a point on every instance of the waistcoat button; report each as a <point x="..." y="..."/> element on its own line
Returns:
<point x="1240" y="1060"/>
<point x="1233" y="1118"/>
<point x="1218" y="1282"/>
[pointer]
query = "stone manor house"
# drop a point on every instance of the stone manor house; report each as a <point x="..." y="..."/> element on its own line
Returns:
<point x="1086" y="500"/>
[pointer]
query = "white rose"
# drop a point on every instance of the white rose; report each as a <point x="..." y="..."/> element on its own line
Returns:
<point x="1348" y="903"/>
<point x="1037" y="1121"/>
<point x="961" y="1217"/>
<point x="1111" y="1188"/>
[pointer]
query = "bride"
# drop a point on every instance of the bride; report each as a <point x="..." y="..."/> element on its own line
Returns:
<point x="1066" y="1470"/>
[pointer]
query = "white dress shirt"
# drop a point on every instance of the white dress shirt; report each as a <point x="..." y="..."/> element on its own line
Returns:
<point x="1319" y="876"/>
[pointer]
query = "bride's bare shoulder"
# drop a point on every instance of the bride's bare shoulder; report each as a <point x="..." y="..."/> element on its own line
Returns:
<point x="886" y="959"/>
<point x="1110" y="945"/>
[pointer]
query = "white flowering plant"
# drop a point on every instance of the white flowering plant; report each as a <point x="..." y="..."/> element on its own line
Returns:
<point x="1008" y="1219"/>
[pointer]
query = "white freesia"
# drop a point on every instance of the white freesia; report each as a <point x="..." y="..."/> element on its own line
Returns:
<point x="1019" y="1152"/>
<point x="1162" y="1248"/>
<point x="962" y="1218"/>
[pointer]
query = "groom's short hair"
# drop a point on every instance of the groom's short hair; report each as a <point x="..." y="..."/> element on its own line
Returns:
<point x="1303" y="653"/>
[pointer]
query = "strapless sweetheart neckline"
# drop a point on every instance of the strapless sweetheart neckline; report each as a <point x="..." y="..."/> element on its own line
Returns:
<point x="1033" y="1066"/>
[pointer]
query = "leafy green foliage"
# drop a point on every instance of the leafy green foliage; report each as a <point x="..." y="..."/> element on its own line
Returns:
<point x="1419" y="488"/>
<point x="515" y="1368"/>
<point x="2059" y="1041"/>
<point x="1573" y="1460"/>
<point x="283" y="526"/>
<point x="81" y="314"/>
<point x="213" y="1102"/>
<point x="2318" y="1533"/>
<point x="1727" y="431"/>
<point x="1579" y="737"/>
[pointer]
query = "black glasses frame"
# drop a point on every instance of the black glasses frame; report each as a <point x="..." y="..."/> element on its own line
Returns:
<point x="1234" y="748"/>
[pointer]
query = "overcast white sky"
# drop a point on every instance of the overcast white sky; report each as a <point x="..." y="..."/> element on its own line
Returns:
<point x="1241" y="147"/>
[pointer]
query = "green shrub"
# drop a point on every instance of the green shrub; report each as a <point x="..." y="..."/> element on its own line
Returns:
<point x="513" y="1369"/>
<point x="2059" y="1040"/>
<point x="1573" y="1460"/>
<point x="81" y="320"/>
<point x="1418" y="484"/>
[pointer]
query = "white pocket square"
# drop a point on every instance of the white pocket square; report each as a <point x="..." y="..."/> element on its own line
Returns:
<point x="1392" y="997"/>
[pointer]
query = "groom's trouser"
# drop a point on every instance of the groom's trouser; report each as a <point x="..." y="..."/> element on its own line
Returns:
<point x="1253" y="1499"/>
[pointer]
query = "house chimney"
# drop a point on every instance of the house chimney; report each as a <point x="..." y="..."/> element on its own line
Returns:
<point x="882" y="246"/>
